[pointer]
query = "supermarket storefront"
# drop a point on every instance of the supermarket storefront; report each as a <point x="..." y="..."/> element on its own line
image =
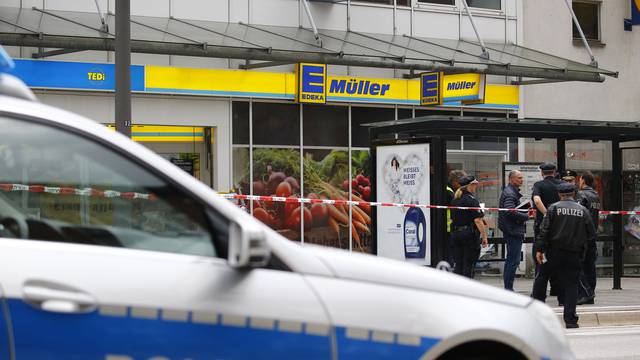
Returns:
<point x="247" y="130"/>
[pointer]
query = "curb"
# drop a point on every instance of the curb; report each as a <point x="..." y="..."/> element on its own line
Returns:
<point x="606" y="316"/>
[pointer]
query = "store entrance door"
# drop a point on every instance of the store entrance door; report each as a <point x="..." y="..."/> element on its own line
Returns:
<point x="631" y="201"/>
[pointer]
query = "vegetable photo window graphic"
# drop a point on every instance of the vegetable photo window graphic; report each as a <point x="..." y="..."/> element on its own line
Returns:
<point x="403" y="177"/>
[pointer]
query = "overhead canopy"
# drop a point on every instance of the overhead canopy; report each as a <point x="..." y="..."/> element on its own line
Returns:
<point x="530" y="127"/>
<point x="79" y="31"/>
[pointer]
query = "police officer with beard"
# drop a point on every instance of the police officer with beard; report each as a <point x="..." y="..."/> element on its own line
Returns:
<point x="590" y="199"/>
<point x="559" y="246"/>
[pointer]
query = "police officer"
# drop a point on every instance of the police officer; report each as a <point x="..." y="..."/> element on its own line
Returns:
<point x="544" y="194"/>
<point x="452" y="186"/>
<point x="466" y="227"/>
<point x="564" y="232"/>
<point x="590" y="199"/>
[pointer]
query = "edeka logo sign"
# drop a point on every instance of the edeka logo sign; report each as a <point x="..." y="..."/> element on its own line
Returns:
<point x="430" y="92"/>
<point x="312" y="83"/>
<point x="468" y="88"/>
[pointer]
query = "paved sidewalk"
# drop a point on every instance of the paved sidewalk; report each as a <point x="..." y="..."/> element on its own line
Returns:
<point x="611" y="308"/>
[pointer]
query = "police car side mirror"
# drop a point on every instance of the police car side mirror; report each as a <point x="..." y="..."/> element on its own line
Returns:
<point x="248" y="247"/>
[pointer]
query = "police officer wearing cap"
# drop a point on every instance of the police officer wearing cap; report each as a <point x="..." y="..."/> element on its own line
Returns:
<point x="564" y="232"/>
<point x="544" y="194"/>
<point x="590" y="199"/>
<point x="467" y="227"/>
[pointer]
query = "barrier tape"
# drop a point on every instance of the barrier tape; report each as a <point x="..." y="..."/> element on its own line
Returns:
<point x="383" y="204"/>
<point x="88" y="192"/>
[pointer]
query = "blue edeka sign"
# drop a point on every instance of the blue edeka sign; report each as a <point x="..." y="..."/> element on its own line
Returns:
<point x="74" y="75"/>
<point x="312" y="83"/>
<point x="430" y="90"/>
<point x="635" y="12"/>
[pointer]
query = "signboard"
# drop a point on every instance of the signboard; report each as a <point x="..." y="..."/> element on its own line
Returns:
<point x="635" y="12"/>
<point x="430" y="92"/>
<point x="468" y="88"/>
<point x="403" y="176"/>
<point x="74" y="75"/>
<point x="312" y="83"/>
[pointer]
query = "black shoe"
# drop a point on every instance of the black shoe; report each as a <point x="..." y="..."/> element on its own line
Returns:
<point x="572" y="325"/>
<point x="587" y="300"/>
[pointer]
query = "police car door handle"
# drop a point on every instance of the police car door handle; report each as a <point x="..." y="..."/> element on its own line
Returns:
<point x="57" y="298"/>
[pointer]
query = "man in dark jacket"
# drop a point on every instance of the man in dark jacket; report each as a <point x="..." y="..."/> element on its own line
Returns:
<point x="513" y="226"/>
<point x="564" y="233"/>
<point x="590" y="199"/>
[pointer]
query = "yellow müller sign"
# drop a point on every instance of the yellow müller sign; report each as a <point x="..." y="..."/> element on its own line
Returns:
<point x="456" y="89"/>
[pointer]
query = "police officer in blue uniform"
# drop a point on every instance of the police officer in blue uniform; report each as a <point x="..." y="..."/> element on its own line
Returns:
<point x="467" y="227"/>
<point x="564" y="232"/>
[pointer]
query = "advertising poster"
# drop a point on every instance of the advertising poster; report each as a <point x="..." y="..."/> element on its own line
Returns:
<point x="402" y="176"/>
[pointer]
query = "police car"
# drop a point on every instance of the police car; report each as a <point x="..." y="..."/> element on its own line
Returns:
<point x="108" y="251"/>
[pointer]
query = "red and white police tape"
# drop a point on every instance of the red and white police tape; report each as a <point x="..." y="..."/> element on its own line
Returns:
<point x="383" y="204"/>
<point x="90" y="192"/>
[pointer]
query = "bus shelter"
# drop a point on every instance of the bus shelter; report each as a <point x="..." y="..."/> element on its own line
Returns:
<point x="411" y="160"/>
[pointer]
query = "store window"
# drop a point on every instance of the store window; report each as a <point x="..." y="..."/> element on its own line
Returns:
<point x="404" y="113"/>
<point x="388" y="2"/>
<point x="240" y="114"/>
<point x="364" y="115"/>
<point x="588" y="15"/>
<point x="443" y="2"/>
<point x="486" y="4"/>
<point x="276" y="124"/>
<point x="326" y="125"/>
<point x="540" y="150"/>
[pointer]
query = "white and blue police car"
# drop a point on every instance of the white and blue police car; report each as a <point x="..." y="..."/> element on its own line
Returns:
<point x="110" y="252"/>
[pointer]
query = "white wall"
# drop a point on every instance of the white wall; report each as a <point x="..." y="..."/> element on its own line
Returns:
<point x="547" y="27"/>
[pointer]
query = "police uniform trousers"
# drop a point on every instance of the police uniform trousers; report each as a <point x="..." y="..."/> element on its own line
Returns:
<point x="556" y="287"/>
<point x="587" y="288"/>
<point x="565" y="267"/>
<point x="466" y="250"/>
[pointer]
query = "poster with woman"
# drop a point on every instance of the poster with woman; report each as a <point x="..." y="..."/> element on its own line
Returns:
<point x="402" y="176"/>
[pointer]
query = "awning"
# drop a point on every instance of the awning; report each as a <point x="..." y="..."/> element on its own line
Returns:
<point x="78" y="31"/>
<point x="487" y="126"/>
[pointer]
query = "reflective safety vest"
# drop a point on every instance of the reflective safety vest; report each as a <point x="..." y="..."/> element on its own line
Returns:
<point x="449" y="221"/>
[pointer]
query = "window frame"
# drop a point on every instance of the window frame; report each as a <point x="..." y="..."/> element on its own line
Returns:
<point x="598" y="5"/>
<point x="208" y="210"/>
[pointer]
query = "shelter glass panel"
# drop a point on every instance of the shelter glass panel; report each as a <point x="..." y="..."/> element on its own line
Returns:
<point x="630" y="201"/>
<point x="540" y="150"/>
<point x="586" y="155"/>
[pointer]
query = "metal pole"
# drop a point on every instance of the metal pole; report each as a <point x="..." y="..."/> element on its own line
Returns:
<point x="584" y="39"/>
<point x="312" y="22"/>
<point x="485" y="53"/>
<point x="123" y="68"/>
<point x="618" y="231"/>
